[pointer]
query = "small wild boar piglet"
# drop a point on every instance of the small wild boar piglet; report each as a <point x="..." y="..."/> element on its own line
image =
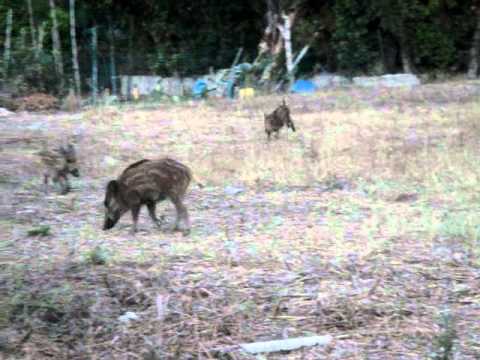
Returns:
<point x="147" y="182"/>
<point x="59" y="163"/>
<point x="277" y="119"/>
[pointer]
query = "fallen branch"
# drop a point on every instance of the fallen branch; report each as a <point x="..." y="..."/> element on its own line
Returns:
<point x="280" y="345"/>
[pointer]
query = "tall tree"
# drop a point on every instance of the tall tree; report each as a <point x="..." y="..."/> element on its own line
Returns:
<point x="33" y="30"/>
<point x="285" y="31"/>
<point x="73" y="37"/>
<point x="475" y="47"/>
<point x="8" y="43"/>
<point x="351" y="36"/>
<point x="113" y="72"/>
<point x="130" y="65"/>
<point x="393" y="15"/>
<point x="271" y="42"/>
<point x="277" y="36"/>
<point x="57" y="48"/>
<point x="94" y="65"/>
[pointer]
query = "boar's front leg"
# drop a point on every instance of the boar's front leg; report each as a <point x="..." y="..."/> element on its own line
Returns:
<point x="269" y="133"/>
<point x="135" y="213"/>
<point x="151" y="210"/>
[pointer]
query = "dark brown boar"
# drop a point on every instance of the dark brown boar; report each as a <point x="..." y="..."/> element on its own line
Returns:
<point x="277" y="119"/>
<point x="59" y="163"/>
<point x="147" y="182"/>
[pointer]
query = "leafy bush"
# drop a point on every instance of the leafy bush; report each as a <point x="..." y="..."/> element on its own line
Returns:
<point x="352" y="37"/>
<point x="434" y="48"/>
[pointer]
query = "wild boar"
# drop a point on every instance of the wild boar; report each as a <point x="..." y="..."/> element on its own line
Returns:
<point x="147" y="182"/>
<point x="59" y="163"/>
<point x="277" y="119"/>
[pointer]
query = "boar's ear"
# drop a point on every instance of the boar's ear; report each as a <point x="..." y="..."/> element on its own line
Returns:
<point x="112" y="187"/>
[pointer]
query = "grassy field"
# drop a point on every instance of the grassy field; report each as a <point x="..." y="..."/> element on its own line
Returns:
<point x="362" y="225"/>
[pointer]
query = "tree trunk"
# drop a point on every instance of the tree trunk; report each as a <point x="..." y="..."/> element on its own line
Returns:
<point x="382" y="51"/>
<point x="406" y="63"/>
<point x="130" y="65"/>
<point x="475" y="48"/>
<point x="41" y="36"/>
<point x="38" y="51"/>
<point x="113" y="72"/>
<point x="94" y="66"/>
<point x="57" y="48"/>
<point x="22" y="40"/>
<point x="271" y="42"/>
<point x="285" y="30"/>
<point x="73" y="37"/>
<point x="276" y="38"/>
<point x="8" y="43"/>
<point x="33" y="31"/>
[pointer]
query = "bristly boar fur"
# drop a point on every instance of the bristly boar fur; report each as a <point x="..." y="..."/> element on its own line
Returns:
<point x="147" y="182"/>
<point x="277" y="119"/>
<point x="59" y="162"/>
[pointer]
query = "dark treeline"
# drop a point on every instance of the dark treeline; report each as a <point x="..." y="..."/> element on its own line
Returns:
<point x="184" y="37"/>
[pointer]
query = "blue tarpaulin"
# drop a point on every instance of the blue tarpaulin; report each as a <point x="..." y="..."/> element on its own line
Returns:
<point x="199" y="88"/>
<point x="303" y="86"/>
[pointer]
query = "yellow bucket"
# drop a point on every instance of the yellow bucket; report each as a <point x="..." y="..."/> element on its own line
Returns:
<point x="246" y="93"/>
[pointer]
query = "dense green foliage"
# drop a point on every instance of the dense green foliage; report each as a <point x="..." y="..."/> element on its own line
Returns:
<point x="186" y="37"/>
<point x="354" y="41"/>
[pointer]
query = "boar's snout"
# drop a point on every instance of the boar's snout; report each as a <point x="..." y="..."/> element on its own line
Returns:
<point x="109" y="223"/>
<point x="111" y="218"/>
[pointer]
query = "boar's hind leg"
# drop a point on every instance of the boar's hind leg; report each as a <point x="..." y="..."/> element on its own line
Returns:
<point x="45" y="183"/>
<point x="135" y="213"/>
<point x="65" y="185"/>
<point x="151" y="211"/>
<point x="292" y="126"/>
<point x="182" y="222"/>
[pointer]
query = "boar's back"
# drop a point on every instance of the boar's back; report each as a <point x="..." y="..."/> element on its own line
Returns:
<point x="154" y="180"/>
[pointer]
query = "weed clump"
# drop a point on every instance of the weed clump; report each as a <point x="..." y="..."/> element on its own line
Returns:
<point x="43" y="230"/>
<point x="99" y="255"/>
<point x="443" y="345"/>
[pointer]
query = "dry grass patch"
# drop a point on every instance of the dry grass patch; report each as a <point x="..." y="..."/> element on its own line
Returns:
<point x="361" y="225"/>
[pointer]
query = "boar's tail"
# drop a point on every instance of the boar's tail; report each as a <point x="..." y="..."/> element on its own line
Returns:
<point x="199" y="183"/>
